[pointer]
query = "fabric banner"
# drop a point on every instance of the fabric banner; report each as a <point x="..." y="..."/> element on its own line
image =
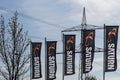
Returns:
<point x="36" y="60"/>
<point x="88" y="47"/>
<point x="51" y="60"/>
<point x="69" y="54"/>
<point x="111" y="36"/>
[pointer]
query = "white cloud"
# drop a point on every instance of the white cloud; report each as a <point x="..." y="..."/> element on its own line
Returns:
<point x="2" y="12"/>
<point x="68" y="12"/>
<point x="102" y="10"/>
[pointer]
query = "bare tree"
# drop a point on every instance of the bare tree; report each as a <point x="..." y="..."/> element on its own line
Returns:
<point x="13" y="46"/>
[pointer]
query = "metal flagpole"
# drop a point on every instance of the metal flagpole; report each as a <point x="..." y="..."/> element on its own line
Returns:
<point x="79" y="66"/>
<point x="104" y="53"/>
<point x="81" y="56"/>
<point x="45" y="60"/>
<point x="85" y="76"/>
<point x="63" y="56"/>
<point x="30" y="60"/>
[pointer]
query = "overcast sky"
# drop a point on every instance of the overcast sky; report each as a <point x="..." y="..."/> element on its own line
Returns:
<point x="65" y="14"/>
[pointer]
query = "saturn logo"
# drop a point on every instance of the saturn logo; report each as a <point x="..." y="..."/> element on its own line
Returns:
<point x="111" y="33"/>
<point x="69" y="42"/>
<point x="89" y="38"/>
<point x="36" y="50"/>
<point x="51" y="49"/>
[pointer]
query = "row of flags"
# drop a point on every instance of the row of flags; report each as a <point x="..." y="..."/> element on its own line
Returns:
<point x="87" y="51"/>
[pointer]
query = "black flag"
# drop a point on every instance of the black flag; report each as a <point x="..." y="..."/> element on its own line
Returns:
<point x="88" y="46"/>
<point x="51" y="60"/>
<point x="36" y="60"/>
<point x="69" y="54"/>
<point x="111" y="36"/>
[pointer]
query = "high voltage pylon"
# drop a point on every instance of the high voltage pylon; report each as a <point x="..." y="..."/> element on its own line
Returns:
<point x="86" y="26"/>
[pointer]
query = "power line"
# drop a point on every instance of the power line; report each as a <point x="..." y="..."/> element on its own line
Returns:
<point x="33" y="18"/>
<point x="42" y="38"/>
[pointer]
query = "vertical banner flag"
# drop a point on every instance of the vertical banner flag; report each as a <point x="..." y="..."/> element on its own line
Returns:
<point x="88" y="47"/>
<point x="51" y="60"/>
<point x="36" y="60"/>
<point x="69" y="54"/>
<point x="111" y="36"/>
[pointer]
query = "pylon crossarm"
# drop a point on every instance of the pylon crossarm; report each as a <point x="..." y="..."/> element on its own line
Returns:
<point x="80" y="27"/>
